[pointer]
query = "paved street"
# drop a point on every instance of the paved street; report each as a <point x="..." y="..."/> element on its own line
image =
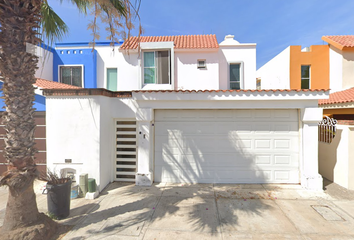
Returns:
<point x="209" y="211"/>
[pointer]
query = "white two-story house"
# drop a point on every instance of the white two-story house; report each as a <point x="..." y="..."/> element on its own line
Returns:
<point x="183" y="109"/>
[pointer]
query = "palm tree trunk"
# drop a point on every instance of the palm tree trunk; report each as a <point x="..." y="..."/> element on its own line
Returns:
<point x="19" y="22"/>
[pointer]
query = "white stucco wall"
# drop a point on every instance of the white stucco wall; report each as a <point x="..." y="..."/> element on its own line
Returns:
<point x="242" y="53"/>
<point x="73" y="132"/>
<point x="189" y="77"/>
<point x="275" y="74"/>
<point x="106" y="58"/>
<point x="335" y="162"/>
<point x="186" y="74"/>
<point x="127" y="64"/>
<point x="335" y="69"/>
<point x="82" y="129"/>
<point x="107" y="136"/>
<point x="45" y="64"/>
<point x="348" y="69"/>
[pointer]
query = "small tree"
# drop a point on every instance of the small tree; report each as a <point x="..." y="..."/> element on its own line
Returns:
<point x="23" y="23"/>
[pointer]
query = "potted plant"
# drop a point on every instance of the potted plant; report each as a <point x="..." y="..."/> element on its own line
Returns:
<point x="58" y="190"/>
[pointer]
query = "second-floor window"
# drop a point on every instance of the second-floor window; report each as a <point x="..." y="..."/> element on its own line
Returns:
<point x="112" y="79"/>
<point x="235" y="76"/>
<point x="305" y="77"/>
<point x="157" y="67"/>
<point x="71" y="75"/>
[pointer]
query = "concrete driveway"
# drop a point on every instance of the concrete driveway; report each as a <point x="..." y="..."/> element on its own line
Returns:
<point x="211" y="211"/>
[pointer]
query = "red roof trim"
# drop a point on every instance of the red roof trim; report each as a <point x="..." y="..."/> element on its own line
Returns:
<point x="345" y="96"/>
<point x="340" y="41"/>
<point x="180" y="42"/>
<point x="46" y="84"/>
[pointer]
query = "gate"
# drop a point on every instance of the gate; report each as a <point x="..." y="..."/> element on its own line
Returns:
<point x="125" y="162"/>
<point x="327" y="129"/>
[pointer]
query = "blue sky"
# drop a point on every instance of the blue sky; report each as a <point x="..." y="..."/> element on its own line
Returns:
<point x="272" y="24"/>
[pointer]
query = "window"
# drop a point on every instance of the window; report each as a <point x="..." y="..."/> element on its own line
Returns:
<point x="305" y="77"/>
<point x="71" y="75"/>
<point x="235" y="76"/>
<point x="157" y="67"/>
<point x="201" y="64"/>
<point x="112" y="79"/>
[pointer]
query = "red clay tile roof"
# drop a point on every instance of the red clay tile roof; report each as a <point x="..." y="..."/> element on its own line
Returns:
<point x="242" y="90"/>
<point x="180" y="42"/>
<point x="340" y="42"/>
<point x="46" y="84"/>
<point x="345" y="96"/>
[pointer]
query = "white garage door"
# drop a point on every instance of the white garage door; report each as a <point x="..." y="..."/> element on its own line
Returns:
<point x="227" y="146"/>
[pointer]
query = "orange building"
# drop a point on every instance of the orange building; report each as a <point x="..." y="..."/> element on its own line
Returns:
<point x="296" y="68"/>
<point x="309" y="68"/>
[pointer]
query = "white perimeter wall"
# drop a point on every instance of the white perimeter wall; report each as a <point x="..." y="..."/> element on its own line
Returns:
<point x="82" y="129"/>
<point x="45" y="64"/>
<point x="236" y="54"/>
<point x="335" y="69"/>
<point x="336" y="160"/>
<point x="189" y="77"/>
<point x="275" y="74"/>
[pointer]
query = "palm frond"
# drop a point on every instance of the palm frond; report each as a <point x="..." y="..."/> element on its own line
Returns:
<point x="82" y="5"/>
<point x="119" y="6"/>
<point x="53" y="27"/>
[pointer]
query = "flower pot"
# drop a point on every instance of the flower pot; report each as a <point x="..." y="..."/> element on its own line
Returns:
<point x="58" y="199"/>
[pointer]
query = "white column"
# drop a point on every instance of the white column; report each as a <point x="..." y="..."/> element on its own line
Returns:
<point x="310" y="178"/>
<point x="144" y="118"/>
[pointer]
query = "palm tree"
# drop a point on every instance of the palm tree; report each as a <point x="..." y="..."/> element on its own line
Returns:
<point x="23" y="23"/>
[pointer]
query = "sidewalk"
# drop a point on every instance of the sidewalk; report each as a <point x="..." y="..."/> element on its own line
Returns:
<point x="210" y="211"/>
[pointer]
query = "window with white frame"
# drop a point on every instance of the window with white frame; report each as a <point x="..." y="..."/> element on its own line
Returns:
<point x="71" y="75"/>
<point x="305" y="76"/>
<point x="157" y="67"/>
<point x="235" y="76"/>
<point x="112" y="79"/>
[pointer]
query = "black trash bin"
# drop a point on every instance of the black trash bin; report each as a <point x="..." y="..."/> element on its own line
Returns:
<point x="58" y="199"/>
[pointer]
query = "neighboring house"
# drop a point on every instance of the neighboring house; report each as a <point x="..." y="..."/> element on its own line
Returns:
<point x="296" y="68"/>
<point x="186" y="110"/>
<point x="80" y="65"/>
<point x="341" y="52"/>
<point x="336" y="159"/>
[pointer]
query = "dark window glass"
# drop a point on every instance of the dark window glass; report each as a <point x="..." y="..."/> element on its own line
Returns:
<point x="235" y="76"/>
<point x="305" y="77"/>
<point x="71" y="75"/>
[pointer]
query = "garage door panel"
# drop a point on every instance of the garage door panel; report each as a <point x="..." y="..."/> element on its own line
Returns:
<point x="242" y="114"/>
<point x="231" y="146"/>
<point x="284" y="128"/>
<point x="282" y="160"/>
<point x="166" y="174"/>
<point x="285" y="115"/>
<point x="263" y="176"/>
<point x="263" y="159"/>
<point x="262" y="114"/>
<point x="281" y="175"/>
<point x="263" y="128"/>
<point x="241" y="128"/>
